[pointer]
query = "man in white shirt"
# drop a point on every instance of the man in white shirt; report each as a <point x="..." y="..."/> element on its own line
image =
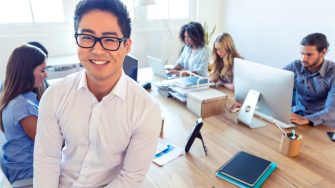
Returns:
<point x="96" y="128"/>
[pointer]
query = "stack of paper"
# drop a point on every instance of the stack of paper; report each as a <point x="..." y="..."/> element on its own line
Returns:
<point x="191" y="81"/>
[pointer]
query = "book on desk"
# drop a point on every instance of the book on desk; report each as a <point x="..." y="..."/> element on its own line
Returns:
<point x="246" y="170"/>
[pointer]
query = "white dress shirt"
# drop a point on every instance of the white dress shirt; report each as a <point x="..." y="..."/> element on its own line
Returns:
<point x="110" y="143"/>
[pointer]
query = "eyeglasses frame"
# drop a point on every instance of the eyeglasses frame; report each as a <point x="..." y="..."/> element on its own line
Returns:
<point x="98" y="39"/>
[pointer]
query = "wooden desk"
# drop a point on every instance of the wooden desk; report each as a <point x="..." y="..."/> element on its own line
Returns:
<point x="223" y="136"/>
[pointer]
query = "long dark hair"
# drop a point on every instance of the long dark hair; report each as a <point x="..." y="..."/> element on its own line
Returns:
<point x="196" y="33"/>
<point x="20" y="74"/>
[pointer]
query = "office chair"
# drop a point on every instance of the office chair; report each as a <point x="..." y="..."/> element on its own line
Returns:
<point x="130" y="67"/>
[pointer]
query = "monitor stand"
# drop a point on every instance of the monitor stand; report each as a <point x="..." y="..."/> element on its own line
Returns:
<point x="247" y="111"/>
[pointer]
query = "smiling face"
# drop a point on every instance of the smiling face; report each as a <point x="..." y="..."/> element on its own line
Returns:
<point x="102" y="66"/>
<point x="40" y="75"/>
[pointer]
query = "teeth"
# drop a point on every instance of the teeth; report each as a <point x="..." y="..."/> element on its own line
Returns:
<point x="99" y="62"/>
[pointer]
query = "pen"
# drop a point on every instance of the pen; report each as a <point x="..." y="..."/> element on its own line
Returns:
<point x="299" y="137"/>
<point x="281" y="129"/>
<point x="294" y="136"/>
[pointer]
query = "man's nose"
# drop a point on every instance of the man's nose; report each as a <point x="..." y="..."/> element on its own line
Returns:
<point x="97" y="48"/>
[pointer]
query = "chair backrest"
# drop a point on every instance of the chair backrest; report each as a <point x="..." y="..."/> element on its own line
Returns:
<point x="130" y="67"/>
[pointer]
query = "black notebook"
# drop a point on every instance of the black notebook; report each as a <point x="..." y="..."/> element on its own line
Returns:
<point x="245" y="168"/>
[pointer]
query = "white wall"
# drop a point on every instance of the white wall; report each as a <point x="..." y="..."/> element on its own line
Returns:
<point x="151" y="40"/>
<point x="60" y="43"/>
<point x="269" y="31"/>
<point x="156" y="41"/>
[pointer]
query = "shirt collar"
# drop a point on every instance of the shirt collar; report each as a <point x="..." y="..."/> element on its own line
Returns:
<point x="323" y="68"/>
<point x="119" y="89"/>
<point x="83" y="81"/>
<point x="321" y="71"/>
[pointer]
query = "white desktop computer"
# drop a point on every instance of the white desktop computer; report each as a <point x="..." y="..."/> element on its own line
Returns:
<point x="265" y="91"/>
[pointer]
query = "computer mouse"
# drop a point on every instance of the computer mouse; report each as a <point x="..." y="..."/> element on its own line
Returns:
<point x="147" y="85"/>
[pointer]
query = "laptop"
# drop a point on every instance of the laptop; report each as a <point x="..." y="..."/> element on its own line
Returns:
<point x="158" y="68"/>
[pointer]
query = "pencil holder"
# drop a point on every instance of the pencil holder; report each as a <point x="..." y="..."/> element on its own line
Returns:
<point x="289" y="146"/>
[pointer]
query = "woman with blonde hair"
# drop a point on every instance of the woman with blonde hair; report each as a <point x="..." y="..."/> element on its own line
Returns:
<point x="221" y="69"/>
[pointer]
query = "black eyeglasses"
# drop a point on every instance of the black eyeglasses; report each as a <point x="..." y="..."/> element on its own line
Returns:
<point x="108" y="43"/>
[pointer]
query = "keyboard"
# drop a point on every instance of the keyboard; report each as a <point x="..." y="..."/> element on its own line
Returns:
<point x="274" y="121"/>
<point x="283" y="125"/>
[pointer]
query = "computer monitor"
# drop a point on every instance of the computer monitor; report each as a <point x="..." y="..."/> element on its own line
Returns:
<point x="130" y="67"/>
<point x="270" y="92"/>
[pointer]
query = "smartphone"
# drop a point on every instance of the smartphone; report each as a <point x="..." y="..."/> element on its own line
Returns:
<point x="331" y="136"/>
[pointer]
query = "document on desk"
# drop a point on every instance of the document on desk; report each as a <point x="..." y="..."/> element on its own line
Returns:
<point x="167" y="152"/>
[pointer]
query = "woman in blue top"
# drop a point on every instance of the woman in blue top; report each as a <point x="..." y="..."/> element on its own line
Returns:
<point x="25" y="74"/>
<point x="195" y="55"/>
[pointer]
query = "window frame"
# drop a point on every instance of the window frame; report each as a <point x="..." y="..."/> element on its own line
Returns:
<point x="47" y="27"/>
<point x="141" y="22"/>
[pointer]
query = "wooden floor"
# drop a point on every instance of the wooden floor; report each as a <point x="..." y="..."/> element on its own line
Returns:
<point x="223" y="136"/>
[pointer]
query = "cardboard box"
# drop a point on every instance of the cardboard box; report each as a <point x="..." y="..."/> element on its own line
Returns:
<point x="206" y="102"/>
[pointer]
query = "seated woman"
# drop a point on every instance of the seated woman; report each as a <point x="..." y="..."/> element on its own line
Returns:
<point x="195" y="55"/>
<point x="25" y="74"/>
<point x="221" y="69"/>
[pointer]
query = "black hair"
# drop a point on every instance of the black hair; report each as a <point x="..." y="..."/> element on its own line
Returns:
<point x="316" y="39"/>
<point x="196" y="33"/>
<point x="40" y="46"/>
<point x="116" y="7"/>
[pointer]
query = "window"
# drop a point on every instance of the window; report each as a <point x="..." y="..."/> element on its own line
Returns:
<point x="130" y="7"/>
<point x="31" y="11"/>
<point x="169" y="9"/>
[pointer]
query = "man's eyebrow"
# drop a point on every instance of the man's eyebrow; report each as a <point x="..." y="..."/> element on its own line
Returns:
<point x="109" y="33"/>
<point x="93" y="32"/>
<point x="87" y="31"/>
<point x="306" y="53"/>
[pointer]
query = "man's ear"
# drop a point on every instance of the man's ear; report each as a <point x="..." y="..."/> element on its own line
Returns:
<point x="324" y="51"/>
<point x="128" y="45"/>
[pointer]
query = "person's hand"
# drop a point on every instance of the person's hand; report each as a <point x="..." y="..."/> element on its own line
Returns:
<point x="235" y="107"/>
<point x="298" y="119"/>
<point x="173" y="71"/>
<point x="229" y="86"/>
